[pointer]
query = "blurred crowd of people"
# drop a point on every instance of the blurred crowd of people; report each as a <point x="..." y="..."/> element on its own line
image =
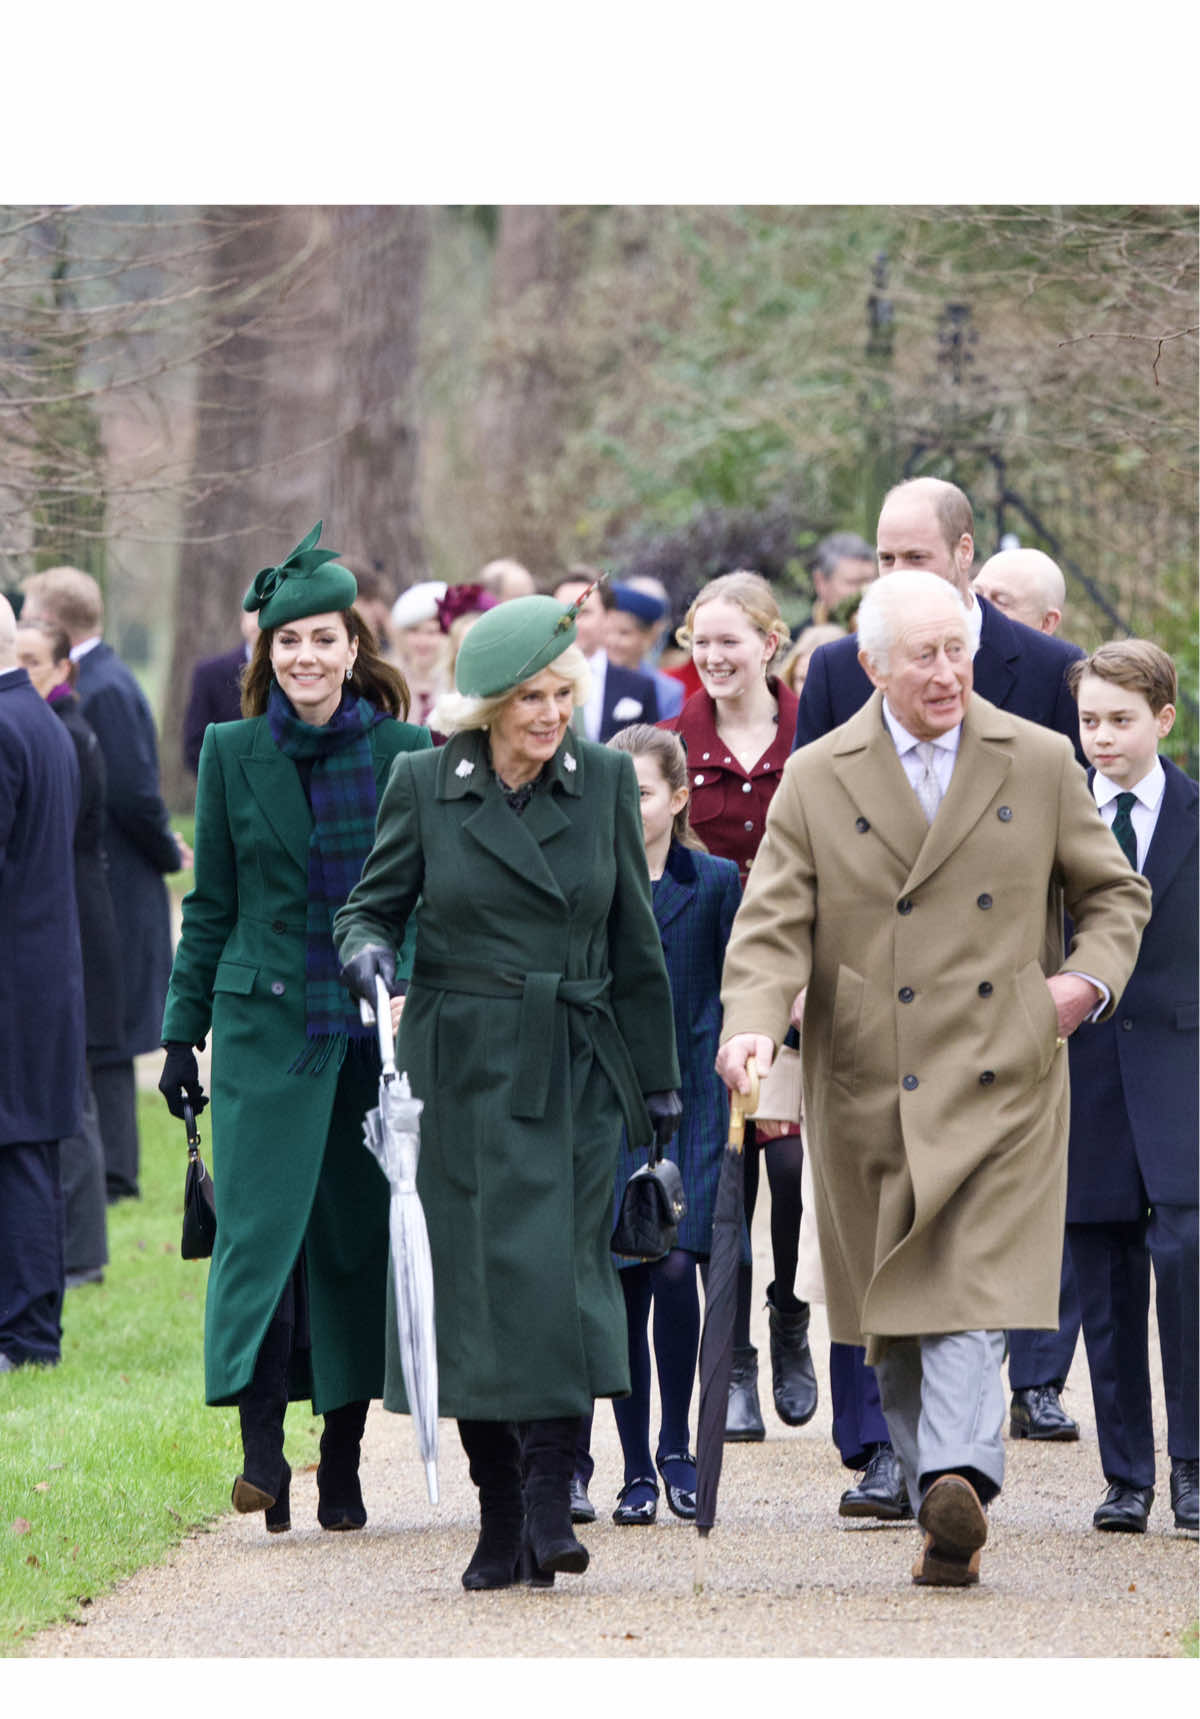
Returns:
<point x="398" y="743"/>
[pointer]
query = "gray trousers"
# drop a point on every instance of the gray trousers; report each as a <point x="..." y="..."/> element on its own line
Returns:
<point x="943" y="1400"/>
<point x="81" y="1162"/>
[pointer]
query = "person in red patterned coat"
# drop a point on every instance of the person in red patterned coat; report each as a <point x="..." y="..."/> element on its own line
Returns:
<point x="737" y="731"/>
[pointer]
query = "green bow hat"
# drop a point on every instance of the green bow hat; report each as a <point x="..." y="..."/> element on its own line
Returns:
<point x="511" y="642"/>
<point x="309" y="582"/>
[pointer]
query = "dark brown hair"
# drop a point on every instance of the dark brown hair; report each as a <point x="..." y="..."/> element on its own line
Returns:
<point x="373" y="678"/>
<point x="60" y="643"/>
<point x="1134" y="663"/>
<point x="641" y="740"/>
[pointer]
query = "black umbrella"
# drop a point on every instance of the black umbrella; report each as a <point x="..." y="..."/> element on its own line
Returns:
<point x="720" y="1305"/>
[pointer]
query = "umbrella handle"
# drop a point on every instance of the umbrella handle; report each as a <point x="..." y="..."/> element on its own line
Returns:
<point x="742" y="1104"/>
<point x="383" y="1024"/>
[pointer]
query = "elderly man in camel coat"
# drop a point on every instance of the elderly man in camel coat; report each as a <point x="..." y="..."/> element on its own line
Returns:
<point x="913" y="875"/>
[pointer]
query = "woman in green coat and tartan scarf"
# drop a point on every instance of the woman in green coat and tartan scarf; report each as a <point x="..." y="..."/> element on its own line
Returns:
<point x="537" y="1021"/>
<point x="285" y="816"/>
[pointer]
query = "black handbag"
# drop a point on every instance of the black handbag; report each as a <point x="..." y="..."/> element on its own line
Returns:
<point x="651" y="1207"/>
<point x="199" y="1208"/>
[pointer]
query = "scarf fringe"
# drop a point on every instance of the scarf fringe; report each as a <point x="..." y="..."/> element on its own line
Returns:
<point x="315" y="1056"/>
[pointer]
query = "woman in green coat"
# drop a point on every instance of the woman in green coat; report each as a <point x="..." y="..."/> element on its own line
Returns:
<point x="285" y="816"/>
<point x="538" y="1020"/>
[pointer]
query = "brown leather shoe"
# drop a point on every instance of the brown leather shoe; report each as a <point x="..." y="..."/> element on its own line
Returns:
<point x="955" y="1525"/>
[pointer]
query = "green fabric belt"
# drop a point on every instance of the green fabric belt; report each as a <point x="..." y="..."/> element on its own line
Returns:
<point x="540" y="994"/>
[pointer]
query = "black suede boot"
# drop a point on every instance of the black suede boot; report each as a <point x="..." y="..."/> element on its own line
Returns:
<point x="339" y="1495"/>
<point x="494" y="1455"/>
<point x="261" y="1408"/>
<point x="548" y="1457"/>
<point x="793" y="1378"/>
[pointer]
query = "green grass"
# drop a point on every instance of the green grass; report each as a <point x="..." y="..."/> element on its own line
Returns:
<point x="179" y="882"/>
<point x="109" y="1459"/>
<point x="1190" y="1642"/>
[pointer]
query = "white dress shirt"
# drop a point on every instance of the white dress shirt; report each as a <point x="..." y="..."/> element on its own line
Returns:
<point x="593" y="710"/>
<point x="84" y="646"/>
<point x="1143" y="814"/>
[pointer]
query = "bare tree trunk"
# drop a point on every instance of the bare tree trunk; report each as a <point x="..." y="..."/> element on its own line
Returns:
<point x="380" y="258"/>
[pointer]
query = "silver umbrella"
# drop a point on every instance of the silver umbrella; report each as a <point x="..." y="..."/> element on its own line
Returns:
<point x="392" y="1135"/>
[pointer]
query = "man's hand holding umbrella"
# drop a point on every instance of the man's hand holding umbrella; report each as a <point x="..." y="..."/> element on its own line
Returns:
<point x="736" y="1052"/>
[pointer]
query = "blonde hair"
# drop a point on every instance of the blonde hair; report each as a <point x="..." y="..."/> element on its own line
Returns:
<point x="73" y="598"/>
<point x="641" y="740"/>
<point x="751" y="593"/>
<point x="456" y="712"/>
<point x="821" y="633"/>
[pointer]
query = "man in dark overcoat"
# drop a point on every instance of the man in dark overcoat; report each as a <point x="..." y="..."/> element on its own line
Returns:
<point x="216" y="692"/>
<point x="141" y="848"/>
<point x="928" y="525"/>
<point x="41" y="1007"/>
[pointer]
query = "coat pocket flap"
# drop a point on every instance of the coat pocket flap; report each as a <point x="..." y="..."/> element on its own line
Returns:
<point x="1187" y="1017"/>
<point x="233" y="976"/>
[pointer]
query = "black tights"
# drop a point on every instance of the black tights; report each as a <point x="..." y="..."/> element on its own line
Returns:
<point x="670" y="1284"/>
<point x="785" y="1159"/>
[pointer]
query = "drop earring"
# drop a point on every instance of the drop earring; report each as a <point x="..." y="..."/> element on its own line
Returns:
<point x="350" y="674"/>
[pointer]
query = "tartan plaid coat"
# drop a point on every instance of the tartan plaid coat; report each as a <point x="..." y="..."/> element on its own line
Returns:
<point x="289" y="1166"/>
<point x="695" y="900"/>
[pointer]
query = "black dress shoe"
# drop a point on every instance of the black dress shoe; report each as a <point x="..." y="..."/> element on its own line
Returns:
<point x="681" y="1499"/>
<point x="743" y="1417"/>
<point x="881" y="1491"/>
<point x="1185" y="1493"/>
<point x="582" y="1508"/>
<point x="1038" y="1413"/>
<point x="1125" y="1510"/>
<point x="793" y="1377"/>
<point x="637" y="1503"/>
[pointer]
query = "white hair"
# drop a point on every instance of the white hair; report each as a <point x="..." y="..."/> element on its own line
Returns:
<point x="8" y="634"/>
<point x="455" y="712"/>
<point x="889" y="602"/>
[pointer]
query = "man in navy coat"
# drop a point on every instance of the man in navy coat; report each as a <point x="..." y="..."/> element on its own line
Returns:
<point x="1132" y="1185"/>
<point x="619" y="696"/>
<point x="141" y="848"/>
<point x="216" y="692"/>
<point x="928" y="524"/>
<point x="41" y="1007"/>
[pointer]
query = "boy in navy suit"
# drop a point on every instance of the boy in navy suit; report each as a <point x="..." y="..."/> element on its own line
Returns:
<point x="1132" y="1181"/>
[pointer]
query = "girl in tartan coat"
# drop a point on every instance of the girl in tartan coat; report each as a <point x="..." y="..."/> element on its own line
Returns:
<point x="695" y="896"/>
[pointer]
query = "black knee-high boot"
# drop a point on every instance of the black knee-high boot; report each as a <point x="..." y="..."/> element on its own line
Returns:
<point x="494" y="1456"/>
<point x="264" y="1481"/>
<point x="548" y="1456"/>
<point x="339" y="1494"/>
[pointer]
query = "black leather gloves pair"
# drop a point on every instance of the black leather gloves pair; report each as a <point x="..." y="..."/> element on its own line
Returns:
<point x="358" y="975"/>
<point x="665" y="1110"/>
<point x="180" y="1079"/>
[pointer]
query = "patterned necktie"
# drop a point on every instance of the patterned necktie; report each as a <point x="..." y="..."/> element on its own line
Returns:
<point x="929" y="789"/>
<point x="1122" y="827"/>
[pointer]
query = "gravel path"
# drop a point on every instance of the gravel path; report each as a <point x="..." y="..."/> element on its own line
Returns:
<point x="784" y="1577"/>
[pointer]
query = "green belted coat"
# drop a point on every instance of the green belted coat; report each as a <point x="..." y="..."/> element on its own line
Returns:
<point x="289" y="1166"/>
<point x="538" y="1016"/>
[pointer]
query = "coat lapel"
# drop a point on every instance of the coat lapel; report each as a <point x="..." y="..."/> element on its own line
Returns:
<point x="517" y="842"/>
<point x="999" y="651"/>
<point x="1175" y="832"/>
<point x="675" y="888"/>
<point x="868" y="767"/>
<point x="273" y="780"/>
<point x="984" y="760"/>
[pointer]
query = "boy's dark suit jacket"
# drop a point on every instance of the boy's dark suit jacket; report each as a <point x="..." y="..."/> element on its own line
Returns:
<point x="1016" y="668"/>
<point x="1134" y="1077"/>
<point x="623" y="683"/>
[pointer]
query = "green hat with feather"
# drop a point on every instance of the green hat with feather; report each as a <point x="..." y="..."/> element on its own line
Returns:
<point x="308" y="582"/>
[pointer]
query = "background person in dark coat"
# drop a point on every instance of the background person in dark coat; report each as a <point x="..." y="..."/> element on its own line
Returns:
<point x="44" y="651"/>
<point x="618" y="696"/>
<point x="140" y="845"/>
<point x="216" y="694"/>
<point x="41" y="1007"/>
<point x="928" y="525"/>
<point x="1132" y="1176"/>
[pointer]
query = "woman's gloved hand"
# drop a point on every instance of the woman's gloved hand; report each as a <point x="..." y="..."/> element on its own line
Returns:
<point x="665" y="1110"/>
<point x="180" y="1080"/>
<point x="358" y="975"/>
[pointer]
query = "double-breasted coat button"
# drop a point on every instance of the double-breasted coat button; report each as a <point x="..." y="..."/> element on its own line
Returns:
<point x="277" y="987"/>
<point x="704" y="757"/>
<point x="904" y="905"/>
<point x="1004" y="813"/>
<point x="987" y="1078"/>
<point x="700" y="779"/>
<point x="910" y="1083"/>
<point x="749" y="825"/>
<point x="985" y="990"/>
<point x="905" y="993"/>
<point x="1127" y="1025"/>
<point x="278" y="926"/>
<point x="861" y="825"/>
<point x="984" y="901"/>
<point x="747" y="787"/>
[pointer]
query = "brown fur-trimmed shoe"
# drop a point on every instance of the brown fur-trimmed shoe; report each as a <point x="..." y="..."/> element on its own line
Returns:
<point x="955" y="1525"/>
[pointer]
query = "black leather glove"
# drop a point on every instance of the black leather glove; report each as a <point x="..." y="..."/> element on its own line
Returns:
<point x="666" y="1111"/>
<point x="180" y="1079"/>
<point x="358" y="975"/>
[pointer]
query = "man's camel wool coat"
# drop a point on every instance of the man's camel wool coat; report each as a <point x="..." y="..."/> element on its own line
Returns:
<point x="935" y="1088"/>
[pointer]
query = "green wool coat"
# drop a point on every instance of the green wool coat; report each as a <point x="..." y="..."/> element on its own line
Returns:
<point x="289" y="1166"/>
<point x="538" y="1016"/>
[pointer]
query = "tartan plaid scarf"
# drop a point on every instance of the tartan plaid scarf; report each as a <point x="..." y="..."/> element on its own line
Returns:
<point x="342" y="791"/>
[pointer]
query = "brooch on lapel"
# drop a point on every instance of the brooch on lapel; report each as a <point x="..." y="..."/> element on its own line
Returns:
<point x="464" y="768"/>
<point x="568" y="762"/>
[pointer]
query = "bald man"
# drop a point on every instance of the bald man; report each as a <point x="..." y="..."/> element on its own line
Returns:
<point x="1026" y="585"/>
